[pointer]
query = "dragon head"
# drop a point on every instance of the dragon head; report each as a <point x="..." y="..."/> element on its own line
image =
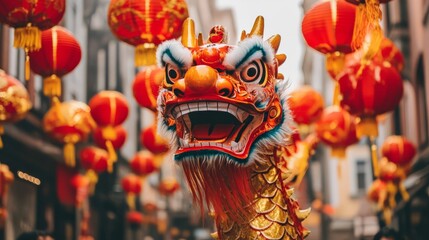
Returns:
<point x="221" y="99"/>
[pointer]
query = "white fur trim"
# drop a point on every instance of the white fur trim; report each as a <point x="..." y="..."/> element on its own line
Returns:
<point x="178" y="51"/>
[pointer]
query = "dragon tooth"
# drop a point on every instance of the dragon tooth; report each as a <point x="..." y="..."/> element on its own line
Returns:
<point x="193" y="107"/>
<point x="302" y="214"/>
<point x="184" y="109"/>
<point x="212" y="106"/>
<point x="202" y="106"/>
<point x="221" y="106"/>
<point x="242" y="115"/>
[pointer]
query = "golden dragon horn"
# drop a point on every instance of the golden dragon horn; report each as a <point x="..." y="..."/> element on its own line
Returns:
<point x="258" y="27"/>
<point x="188" y="34"/>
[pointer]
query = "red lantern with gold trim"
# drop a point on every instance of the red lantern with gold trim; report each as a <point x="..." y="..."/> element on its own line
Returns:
<point x="328" y="27"/>
<point x="134" y="219"/>
<point x="94" y="160"/>
<point x="109" y="109"/>
<point x="337" y="129"/>
<point x="132" y="185"/>
<point x="60" y="54"/>
<point x="369" y="90"/>
<point x="306" y="105"/>
<point x="376" y="189"/>
<point x="118" y="141"/>
<point x="143" y="163"/>
<point x="152" y="141"/>
<point x="14" y="100"/>
<point x="145" y="24"/>
<point x="169" y="186"/>
<point x="146" y="86"/>
<point x="72" y="188"/>
<point x="399" y="150"/>
<point x="69" y="123"/>
<point x="29" y="17"/>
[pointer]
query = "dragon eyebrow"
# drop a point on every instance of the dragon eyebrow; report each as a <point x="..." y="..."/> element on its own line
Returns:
<point x="173" y="52"/>
<point x="247" y="51"/>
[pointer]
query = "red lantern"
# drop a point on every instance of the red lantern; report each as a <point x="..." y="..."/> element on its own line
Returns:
<point x="134" y="218"/>
<point x="399" y="150"/>
<point x="69" y="122"/>
<point x="80" y="184"/>
<point x="145" y="24"/>
<point x="168" y="186"/>
<point x="337" y="129"/>
<point x="132" y="185"/>
<point x="95" y="159"/>
<point x="152" y="141"/>
<point x="369" y="90"/>
<point x="29" y="17"/>
<point x="143" y="163"/>
<point x="72" y="188"/>
<point x="59" y="55"/>
<point x="328" y="27"/>
<point x="109" y="109"/>
<point x="14" y="100"/>
<point x="119" y="140"/>
<point x="146" y="86"/>
<point x="306" y="105"/>
<point x="6" y="178"/>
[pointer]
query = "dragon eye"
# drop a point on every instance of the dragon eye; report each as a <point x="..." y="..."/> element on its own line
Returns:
<point x="172" y="74"/>
<point x="253" y="73"/>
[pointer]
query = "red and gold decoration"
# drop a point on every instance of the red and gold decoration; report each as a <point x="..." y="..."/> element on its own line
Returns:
<point x="14" y="101"/>
<point x="145" y="24"/>
<point x="72" y="187"/>
<point x="143" y="163"/>
<point x="329" y="27"/>
<point x="152" y="141"/>
<point x="368" y="90"/>
<point x="399" y="150"/>
<point x="60" y="54"/>
<point x="69" y="123"/>
<point x="6" y="178"/>
<point x="29" y="17"/>
<point x="109" y="109"/>
<point x="168" y="186"/>
<point x="224" y="109"/>
<point x="393" y="176"/>
<point x="132" y="185"/>
<point x="94" y="160"/>
<point x="134" y="219"/>
<point x="337" y="129"/>
<point x="377" y="191"/>
<point x="146" y="86"/>
<point x="118" y="141"/>
<point x="368" y="19"/>
<point x="306" y="105"/>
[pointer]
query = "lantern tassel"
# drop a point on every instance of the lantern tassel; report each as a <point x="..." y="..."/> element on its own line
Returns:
<point x="145" y="54"/>
<point x="131" y="201"/>
<point x="27" y="65"/>
<point x="113" y="157"/>
<point x="361" y="27"/>
<point x="335" y="62"/>
<point x="69" y="154"/>
<point x="404" y="194"/>
<point x="374" y="156"/>
<point x="366" y="126"/>
<point x="52" y="86"/>
<point x="28" y="37"/>
<point x="374" y="44"/>
<point x="337" y="94"/>
<point x="1" y="133"/>
<point x="93" y="179"/>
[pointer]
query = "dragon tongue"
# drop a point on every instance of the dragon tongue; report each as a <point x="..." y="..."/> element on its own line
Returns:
<point x="212" y="131"/>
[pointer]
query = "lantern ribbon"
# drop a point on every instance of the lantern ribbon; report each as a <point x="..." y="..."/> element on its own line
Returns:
<point x="93" y="179"/>
<point x="69" y="149"/>
<point x="145" y="54"/>
<point x="27" y="65"/>
<point x="374" y="156"/>
<point x="131" y="201"/>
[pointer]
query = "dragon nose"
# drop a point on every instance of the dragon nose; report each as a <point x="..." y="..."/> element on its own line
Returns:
<point x="201" y="79"/>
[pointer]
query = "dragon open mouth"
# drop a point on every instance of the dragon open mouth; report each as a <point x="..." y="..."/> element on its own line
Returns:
<point x="212" y="125"/>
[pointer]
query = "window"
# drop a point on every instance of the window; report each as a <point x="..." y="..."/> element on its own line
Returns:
<point x="361" y="176"/>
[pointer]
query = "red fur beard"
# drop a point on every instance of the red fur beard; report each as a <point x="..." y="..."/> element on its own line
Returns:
<point x="221" y="185"/>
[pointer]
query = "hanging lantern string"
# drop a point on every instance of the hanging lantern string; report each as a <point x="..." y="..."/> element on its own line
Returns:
<point x="27" y="65"/>
<point x="374" y="155"/>
<point x="1" y="133"/>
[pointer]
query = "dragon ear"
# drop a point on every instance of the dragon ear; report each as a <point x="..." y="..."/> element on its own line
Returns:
<point x="281" y="58"/>
<point x="188" y="34"/>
